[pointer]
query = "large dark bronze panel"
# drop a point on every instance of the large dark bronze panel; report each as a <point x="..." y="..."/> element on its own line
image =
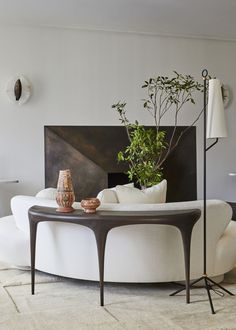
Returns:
<point x="91" y="154"/>
<point x="88" y="178"/>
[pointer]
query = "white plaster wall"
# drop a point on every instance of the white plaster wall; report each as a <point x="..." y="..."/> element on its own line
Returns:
<point x="77" y="75"/>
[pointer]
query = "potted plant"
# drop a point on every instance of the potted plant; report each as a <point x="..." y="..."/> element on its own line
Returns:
<point x="148" y="148"/>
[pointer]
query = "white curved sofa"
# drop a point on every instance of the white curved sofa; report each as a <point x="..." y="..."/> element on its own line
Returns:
<point x="140" y="253"/>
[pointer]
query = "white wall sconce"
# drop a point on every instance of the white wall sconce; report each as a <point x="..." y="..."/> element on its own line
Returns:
<point x="19" y="89"/>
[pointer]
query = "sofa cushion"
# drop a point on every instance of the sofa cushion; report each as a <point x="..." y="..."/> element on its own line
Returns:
<point x="152" y="195"/>
<point x="48" y="193"/>
<point x="109" y="195"/>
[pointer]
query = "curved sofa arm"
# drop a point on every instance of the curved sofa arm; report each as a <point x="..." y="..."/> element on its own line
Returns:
<point x="20" y="205"/>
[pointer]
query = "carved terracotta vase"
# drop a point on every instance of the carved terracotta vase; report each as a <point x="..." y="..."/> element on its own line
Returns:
<point x="65" y="196"/>
<point x="90" y="204"/>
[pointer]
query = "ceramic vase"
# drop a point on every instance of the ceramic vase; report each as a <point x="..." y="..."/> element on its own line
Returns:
<point x="65" y="196"/>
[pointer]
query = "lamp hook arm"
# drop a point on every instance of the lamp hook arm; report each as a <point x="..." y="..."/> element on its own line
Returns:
<point x="210" y="146"/>
<point x="204" y="73"/>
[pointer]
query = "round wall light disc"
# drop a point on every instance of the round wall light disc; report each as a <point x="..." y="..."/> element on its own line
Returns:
<point x="19" y="89"/>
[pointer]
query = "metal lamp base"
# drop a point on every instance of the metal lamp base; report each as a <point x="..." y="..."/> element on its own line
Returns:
<point x="208" y="284"/>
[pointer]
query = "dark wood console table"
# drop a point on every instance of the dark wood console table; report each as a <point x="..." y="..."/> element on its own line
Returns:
<point x="103" y="221"/>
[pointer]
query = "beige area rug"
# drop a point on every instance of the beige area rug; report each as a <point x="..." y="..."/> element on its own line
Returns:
<point x="65" y="304"/>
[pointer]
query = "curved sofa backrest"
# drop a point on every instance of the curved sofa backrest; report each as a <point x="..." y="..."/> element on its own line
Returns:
<point x="165" y="239"/>
<point x="219" y="213"/>
<point x="20" y="205"/>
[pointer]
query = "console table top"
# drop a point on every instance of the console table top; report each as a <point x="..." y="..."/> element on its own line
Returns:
<point x="156" y="217"/>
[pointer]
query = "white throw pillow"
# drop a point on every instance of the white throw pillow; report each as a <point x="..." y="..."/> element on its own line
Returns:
<point x="152" y="195"/>
<point x="109" y="195"/>
<point x="48" y="193"/>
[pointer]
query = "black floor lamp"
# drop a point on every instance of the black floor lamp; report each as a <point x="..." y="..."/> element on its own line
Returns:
<point x="214" y="127"/>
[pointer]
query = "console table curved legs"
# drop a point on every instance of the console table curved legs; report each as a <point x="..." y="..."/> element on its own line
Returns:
<point x="103" y="221"/>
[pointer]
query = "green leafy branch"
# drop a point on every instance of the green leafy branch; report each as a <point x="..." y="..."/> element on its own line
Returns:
<point x="148" y="149"/>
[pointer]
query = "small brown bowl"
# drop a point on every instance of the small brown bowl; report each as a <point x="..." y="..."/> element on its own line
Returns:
<point x="90" y="204"/>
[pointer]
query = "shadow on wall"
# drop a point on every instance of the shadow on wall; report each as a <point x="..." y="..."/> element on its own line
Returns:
<point x="6" y="193"/>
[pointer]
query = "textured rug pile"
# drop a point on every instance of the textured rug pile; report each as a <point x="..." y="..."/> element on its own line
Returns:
<point x="65" y="304"/>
